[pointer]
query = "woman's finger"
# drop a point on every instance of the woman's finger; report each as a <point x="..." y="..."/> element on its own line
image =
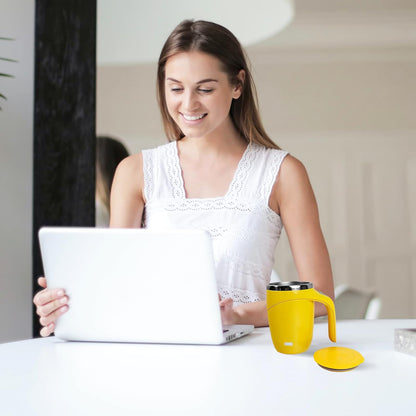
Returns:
<point x="47" y="330"/>
<point x="42" y="282"/>
<point x="226" y="303"/>
<point x="48" y="308"/>
<point x="51" y="318"/>
<point x="47" y="295"/>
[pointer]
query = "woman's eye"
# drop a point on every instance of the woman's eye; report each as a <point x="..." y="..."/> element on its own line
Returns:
<point x="205" y="90"/>
<point x="176" y="89"/>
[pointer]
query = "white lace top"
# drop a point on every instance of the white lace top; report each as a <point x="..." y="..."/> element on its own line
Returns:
<point x="244" y="229"/>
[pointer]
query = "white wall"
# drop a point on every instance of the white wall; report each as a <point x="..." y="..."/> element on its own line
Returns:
<point x="17" y="20"/>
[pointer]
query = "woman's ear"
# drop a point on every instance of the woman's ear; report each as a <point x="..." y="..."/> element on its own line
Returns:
<point x="238" y="88"/>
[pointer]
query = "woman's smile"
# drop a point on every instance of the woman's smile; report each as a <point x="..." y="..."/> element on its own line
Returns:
<point x="191" y="118"/>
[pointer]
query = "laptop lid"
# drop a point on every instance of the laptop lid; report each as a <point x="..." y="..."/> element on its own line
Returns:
<point x="135" y="285"/>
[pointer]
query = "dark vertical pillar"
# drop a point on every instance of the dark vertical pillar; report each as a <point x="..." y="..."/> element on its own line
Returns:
<point x="64" y="120"/>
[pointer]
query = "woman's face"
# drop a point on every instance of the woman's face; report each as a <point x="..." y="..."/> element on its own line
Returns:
<point x="198" y="94"/>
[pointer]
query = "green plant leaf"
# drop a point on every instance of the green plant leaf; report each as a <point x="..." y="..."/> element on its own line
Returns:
<point x="7" y="59"/>
<point x="4" y="98"/>
<point x="2" y="74"/>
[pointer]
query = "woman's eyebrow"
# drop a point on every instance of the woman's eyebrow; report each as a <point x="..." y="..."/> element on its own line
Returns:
<point x="203" y="81"/>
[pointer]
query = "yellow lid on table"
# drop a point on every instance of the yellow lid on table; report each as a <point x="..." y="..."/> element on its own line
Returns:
<point x="338" y="358"/>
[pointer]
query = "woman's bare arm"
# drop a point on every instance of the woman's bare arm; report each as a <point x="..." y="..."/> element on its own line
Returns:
<point x="293" y="198"/>
<point x="127" y="198"/>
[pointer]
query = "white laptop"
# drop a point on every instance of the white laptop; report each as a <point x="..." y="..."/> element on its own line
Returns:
<point x="136" y="285"/>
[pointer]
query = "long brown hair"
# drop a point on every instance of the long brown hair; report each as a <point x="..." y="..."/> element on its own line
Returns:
<point x="219" y="42"/>
<point x="109" y="153"/>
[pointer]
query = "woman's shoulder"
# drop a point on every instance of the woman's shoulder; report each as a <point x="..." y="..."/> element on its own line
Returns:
<point x="291" y="185"/>
<point x="133" y="161"/>
<point x="293" y="175"/>
<point x="129" y="170"/>
<point x="293" y="165"/>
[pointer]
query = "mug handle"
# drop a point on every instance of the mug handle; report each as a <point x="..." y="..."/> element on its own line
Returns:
<point x="330" y="307"/>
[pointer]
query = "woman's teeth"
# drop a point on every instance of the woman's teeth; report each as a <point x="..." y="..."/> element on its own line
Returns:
<point x="193" y="118"/>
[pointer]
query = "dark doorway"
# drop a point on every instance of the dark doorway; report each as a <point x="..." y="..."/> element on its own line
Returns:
<point x="64" y="119"/>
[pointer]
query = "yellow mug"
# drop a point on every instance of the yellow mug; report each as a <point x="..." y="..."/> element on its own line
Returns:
<point x="290" y="309"/>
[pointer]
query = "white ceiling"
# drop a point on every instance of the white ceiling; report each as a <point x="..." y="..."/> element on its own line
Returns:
<point x="131" y="31"/>
<point x="316" y="24"/>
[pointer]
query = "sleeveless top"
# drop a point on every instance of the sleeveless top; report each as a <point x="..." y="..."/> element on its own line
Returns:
<point x="243" y="228"/>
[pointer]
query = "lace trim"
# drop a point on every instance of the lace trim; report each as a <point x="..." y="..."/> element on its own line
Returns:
<point x="148" y="165"/>
<point x="206" y="204"/>
<point x="277" y="157"/>
<point x="216" y="232"/>
<point x="195" y="205"/>
<point x="174" y="171"/>
<point x="239" y="295"/>
<point x="243" y="170"/>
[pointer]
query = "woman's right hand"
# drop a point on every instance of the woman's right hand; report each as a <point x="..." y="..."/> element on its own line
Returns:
<point x="50" y="305"/>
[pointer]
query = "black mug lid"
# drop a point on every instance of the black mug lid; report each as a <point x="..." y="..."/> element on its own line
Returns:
<point x="287" y="286"/>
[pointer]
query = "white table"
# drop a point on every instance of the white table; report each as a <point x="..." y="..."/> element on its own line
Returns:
<point x="245" y="377"/>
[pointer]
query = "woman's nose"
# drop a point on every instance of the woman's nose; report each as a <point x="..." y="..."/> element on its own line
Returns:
<point x="190" y="101"/>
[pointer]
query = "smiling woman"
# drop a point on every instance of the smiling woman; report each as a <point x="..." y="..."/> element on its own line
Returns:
<point x="221" y="173"/>
<point x="221" y="64"/>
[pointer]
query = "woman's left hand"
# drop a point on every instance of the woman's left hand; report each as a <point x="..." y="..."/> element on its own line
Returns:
<point x="228" y="315"/>
<point x="252" y="313"/>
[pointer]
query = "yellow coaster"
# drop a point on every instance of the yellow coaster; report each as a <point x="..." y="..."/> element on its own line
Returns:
<point x="338" y="358"/>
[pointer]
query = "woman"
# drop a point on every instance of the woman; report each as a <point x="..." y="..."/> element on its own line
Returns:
<point x="220" y="172"/>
